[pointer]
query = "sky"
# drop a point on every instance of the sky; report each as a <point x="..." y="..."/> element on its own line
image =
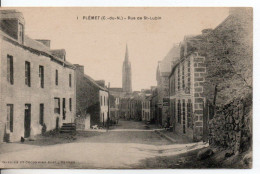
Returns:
<point x="100" y="45"/>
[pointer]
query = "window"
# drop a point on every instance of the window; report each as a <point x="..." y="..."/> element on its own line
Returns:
<point x="27" y="74"/>
<point x="101" y="100"/>
<point x="21" y="35"/>
<point x="179" y="80"/>
<point x="57" y="105"/>
<point x="179" y="111"/>
<point x="70" y="80"/>
<point x="188" y="83"/>
<point x="9" y="119"/>
<point x="104" y="100"/>
<point x="189" y="114"/>
<point x="183" y="116"/>
<point x="57" y="77"/>
<point x="70" y="101"/>
<point x="173" y="84"/>
<point x="183" y="80"/>
<point x="41" y="76"/>
<point x="10" y="70"/>
<point x="41" y="119"/>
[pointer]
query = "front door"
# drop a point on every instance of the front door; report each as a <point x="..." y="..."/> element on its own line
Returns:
<point x="27" y="120"/>
<point x="64" y="108"/>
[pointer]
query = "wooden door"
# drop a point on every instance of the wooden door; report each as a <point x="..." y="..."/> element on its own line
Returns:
<point x="27" y="120"/>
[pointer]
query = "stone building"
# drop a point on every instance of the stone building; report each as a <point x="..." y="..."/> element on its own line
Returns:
<point x="135" y="107"/>
<point x="154" y="106"/>
<point x="186" y="92"/>
<point x="37" y="86"/>
<point x="124" y="108"/>
<point x="114" y="108"/>
<point x="127" y="74"/>
<point x="146" y="109"/>
<point x="162" y="78"/>
<point x="92" y="100"/>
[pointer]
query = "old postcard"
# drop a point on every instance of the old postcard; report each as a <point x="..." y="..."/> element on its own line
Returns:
<point x="135" y="88"/>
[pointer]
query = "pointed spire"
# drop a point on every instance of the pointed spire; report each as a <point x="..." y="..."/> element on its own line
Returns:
<point x="126" y="54"/>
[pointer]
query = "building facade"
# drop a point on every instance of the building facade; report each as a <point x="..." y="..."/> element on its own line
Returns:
<point x="146" y="109"/>
<point x="92" y="101"/>
<point x="154" y="106"/>
<point x="37" y="87"/>
<point x="186" y="93"/>
<point x="162" y="78"/>
<point x="114" y="108"/>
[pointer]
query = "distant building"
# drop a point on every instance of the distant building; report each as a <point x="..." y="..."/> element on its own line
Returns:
<point x="135" y="108"/>
<point x="154" y="106"/>
<point x="114" y="102"/>
<point x="92" y="100"/>
<point x="37" y="86"/>
<point x="162" y="78"/>
<point x="127" y="74"/>
<point x="124" y="108"/>
<point x="146" y="109"/>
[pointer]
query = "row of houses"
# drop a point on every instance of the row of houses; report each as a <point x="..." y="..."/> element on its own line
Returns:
<point x="40" y="88"/>
<point x="190" y="74"/>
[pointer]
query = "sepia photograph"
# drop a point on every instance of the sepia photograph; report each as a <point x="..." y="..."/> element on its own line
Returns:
<point x="126" y="87"/>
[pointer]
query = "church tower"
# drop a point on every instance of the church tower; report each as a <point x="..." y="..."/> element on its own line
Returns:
<point x="127" y="74"/>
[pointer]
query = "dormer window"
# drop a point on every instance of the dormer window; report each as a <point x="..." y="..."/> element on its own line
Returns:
<point x="12" y="23"/>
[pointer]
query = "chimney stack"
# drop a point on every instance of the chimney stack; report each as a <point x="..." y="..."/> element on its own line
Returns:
<point x="79" y="68"/>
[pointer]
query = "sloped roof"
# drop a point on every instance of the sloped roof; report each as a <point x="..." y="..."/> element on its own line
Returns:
<point x="94" y="82"/>
<point x="35" y="47"/>
<point x="35" y="44"/>
<point x="164" y="66"/>
<point x="116" y="89"/>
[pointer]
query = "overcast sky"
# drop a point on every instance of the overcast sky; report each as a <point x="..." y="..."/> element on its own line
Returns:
<point x="100" y="45"/>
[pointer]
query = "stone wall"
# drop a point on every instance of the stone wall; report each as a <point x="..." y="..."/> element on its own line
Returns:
<point x="187" y="90"/>
<point x="199" y="79"/>
<point x="231" y="126"/>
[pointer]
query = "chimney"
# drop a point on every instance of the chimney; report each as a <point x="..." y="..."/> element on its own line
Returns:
<point x="79" y="68"/>
<point x="47" y="43"/>
<point x="60" y="53"/>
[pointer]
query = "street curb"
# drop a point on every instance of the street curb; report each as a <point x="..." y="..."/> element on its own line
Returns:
<point x="165" y="136"/>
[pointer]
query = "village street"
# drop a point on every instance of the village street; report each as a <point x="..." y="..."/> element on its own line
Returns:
<point x="128" y="145"/>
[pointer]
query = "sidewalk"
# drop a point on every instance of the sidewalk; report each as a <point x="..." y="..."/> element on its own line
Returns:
<point x="173" y="137"/>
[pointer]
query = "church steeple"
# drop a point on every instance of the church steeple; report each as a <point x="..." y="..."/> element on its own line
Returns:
<point x="126" y="53"/>
<point x="127" y="73"/>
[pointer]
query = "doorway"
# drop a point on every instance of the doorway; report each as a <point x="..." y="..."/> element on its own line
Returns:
<point x="27" y="120"/>
<point x="64" y="109"/>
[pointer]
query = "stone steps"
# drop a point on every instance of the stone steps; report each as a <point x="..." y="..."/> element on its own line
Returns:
<point x="68" y="128"/>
